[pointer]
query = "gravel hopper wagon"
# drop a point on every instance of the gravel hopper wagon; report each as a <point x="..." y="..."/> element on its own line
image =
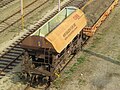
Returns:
<point x="46" y="49"/>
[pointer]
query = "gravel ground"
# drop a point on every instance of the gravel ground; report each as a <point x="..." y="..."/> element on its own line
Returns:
<point x="5" y="2"/>
<point x="11" y="81"/>
<point x="98" y="66"/>
<point x="96" y="69"/>
<point x="10" y="34"/>
<point x="96" y="10"/>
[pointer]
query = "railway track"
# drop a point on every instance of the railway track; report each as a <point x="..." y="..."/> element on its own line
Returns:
<point x="5" y="2"/>
<point x="2" y="21"/>
<point x="10" y="60"/>
<point x="93" y="28"/>
<point x="6" y="23"/>
<point x="13" y="54"/>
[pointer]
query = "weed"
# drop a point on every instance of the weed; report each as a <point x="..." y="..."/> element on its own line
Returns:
<point x="74" y="67"/>
<point x="67" y="72"/>
<point x="57" y="83"/>
<point x="81" y="60"/>
<point x="93" y="46"/>
<point x="118" y="57"/>
<point x="95" y="42"/>
<point x="81" y="81"/>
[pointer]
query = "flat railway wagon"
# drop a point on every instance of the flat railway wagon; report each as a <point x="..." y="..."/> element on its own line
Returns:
<point x="47" y="50"/>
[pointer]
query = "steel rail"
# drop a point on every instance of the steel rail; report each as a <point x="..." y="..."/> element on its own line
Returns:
<point x="90" y="31"/>
<point x="16" y="42"/>
<point x="23" y="16"/>
<point x="35" y="28"/>
<point x="14" y="45"/>
<point x="4" y="3"/>
<point x="94" y="28"/>
<point x="97" y="25"/>
<point x="111" y="7"/>
<point x="16" y="12"/>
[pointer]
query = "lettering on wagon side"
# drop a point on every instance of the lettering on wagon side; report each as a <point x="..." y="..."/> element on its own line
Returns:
<point x="70" y="30"/>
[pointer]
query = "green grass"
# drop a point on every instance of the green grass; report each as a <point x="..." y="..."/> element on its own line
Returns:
<point x="68" y="74"/>
<point x="118" y="57"/>
<point x="57" y="83"/>
<point x="81" y="81"/>
<point x="81" y="60"/>
<point x="96" y="41"/>
<point x="75" y="66"/>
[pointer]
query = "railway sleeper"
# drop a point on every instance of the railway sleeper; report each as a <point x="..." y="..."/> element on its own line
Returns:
<point x="14" y="64"/>
<point x="9" y="57"/>
<point x="38" y="68"/>
<point x="11" y="65"/>
<point x="17" y="62"/>
<point x="2" y="67"/>
<point x="7" y="64"/>
<point x="18" y="49"/>
<point x="12" y="54"/>
<point x="7" y="70"/>
<point x="2" y="74"/>
<point x="16" y="52"/>
<point x="18" y="46"/>
<point x="5" y="61"/>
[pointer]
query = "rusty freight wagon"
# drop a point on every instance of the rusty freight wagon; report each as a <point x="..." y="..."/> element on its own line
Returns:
<point x="47" y="49"/>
